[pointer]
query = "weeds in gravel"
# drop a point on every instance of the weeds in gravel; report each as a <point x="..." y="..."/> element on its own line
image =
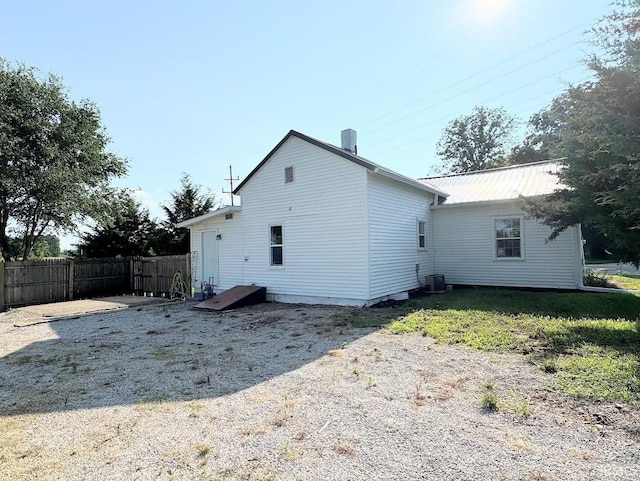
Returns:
<point x="196" y="409"/>
<point x="419" y="398"/>
<point x="590" y="342"/>
<point x="344" y="448"/>
<point x="288" y="452"/>
<point x="163" y="353"/>
<point x="521" y="409"/>
<point x="488" y="396"/>
<point x="202" y="450"/>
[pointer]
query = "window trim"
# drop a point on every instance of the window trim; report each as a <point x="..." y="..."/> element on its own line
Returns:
<point x="520" y="219"/>
<point x="423" y="235"/>
<point x="271" y="245"/>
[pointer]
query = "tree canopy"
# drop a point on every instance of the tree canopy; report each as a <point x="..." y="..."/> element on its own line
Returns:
<point x="596" y="126"/>
<point x="53" y="158"/>
<point x="123" y="229"/>
<point x="476" y="141"/>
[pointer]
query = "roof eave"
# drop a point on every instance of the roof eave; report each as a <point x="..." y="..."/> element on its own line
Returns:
<point x="406" y="180"/>
<point x="209" y="215"/>
<point x="485" y="202"/>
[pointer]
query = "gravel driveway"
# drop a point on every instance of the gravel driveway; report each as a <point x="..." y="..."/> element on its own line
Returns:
<point x="277" y="392"/>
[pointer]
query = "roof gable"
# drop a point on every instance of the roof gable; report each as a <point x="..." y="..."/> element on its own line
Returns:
<point x="345" y="154"/>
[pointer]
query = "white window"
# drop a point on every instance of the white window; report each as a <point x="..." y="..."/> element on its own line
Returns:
<point x="288" y="175"/>
<point x="276" y="253"/>
<point x="508" y="235"/>
<point x="422" y="234"/>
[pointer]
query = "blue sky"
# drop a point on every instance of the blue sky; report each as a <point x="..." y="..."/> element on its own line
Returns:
<point x="195" y="86"/>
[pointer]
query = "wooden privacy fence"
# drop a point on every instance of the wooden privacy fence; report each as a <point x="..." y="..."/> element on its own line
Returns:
<point x="23" y="283"/>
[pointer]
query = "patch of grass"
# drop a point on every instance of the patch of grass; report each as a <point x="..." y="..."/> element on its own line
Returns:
<point x="591" y="340"/>
<point x="288" y="452"/>
<point x="162" y="353"/>
<point x="520" y="408"/>
<point x="628" y="282"/>
<point x="600" y="374"/>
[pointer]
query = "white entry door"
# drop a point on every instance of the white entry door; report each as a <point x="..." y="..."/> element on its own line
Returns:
<point x="210" y="257"/>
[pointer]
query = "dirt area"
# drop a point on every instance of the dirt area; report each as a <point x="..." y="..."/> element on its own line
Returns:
<point x="281" y="392"/>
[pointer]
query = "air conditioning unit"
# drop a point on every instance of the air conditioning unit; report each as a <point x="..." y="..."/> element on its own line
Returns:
<point x="435" y="283"/>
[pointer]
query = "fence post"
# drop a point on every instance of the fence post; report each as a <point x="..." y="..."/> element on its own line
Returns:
<point x="71" y="278"/>
<point x="1" y="284"/>
<point x="155" y="278"/>
<point x="132" y="275"/>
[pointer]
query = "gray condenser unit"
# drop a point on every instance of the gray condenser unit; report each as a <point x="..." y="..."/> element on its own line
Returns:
<point x="435" y="283"/>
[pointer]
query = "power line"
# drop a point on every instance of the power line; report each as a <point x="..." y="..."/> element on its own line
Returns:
<point x="479" y="103"/>
<point x="472" y="88"/>
<point x="421" y="149"/>
<point x="502" y="62"/>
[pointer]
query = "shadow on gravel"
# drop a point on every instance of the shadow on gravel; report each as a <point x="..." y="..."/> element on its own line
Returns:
<point x="168" y="353"/>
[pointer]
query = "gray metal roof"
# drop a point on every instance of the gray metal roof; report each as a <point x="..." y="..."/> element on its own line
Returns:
<point x="505" y="183"/>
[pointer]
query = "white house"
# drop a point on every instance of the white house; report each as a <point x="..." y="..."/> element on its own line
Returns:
<point x="320" y="224"/>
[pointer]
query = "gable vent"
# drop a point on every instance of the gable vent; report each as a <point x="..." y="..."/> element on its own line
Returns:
<point x="288" y="175"/>
<point x="228" y="216"/>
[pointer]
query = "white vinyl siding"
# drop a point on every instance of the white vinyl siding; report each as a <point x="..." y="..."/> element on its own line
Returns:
<point x="394" y="213"/>
<point x="465" y="240"/>
<point x="323" y="214"/>
<point x="230" y="250"/>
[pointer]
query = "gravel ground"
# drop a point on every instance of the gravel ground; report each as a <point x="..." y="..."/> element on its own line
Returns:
<point x="277" y="392"/>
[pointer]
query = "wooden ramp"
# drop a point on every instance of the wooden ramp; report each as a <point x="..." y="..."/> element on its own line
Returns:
<point x="237" y="296"/>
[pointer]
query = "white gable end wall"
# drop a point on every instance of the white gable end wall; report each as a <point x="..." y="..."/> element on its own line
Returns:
<point x="394" y="212"/>
<point x="465" y="244"/>
<point x="323" y="216"/>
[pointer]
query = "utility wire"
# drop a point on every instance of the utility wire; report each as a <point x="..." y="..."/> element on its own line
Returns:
<point x="479" y="103"/>
<point x="502" y="62"/>
<point x="421" y="149"/>
<point x="471" y="89"/>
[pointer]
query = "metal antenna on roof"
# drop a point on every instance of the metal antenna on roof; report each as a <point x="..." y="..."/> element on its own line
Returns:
<point x="230" y="180"/>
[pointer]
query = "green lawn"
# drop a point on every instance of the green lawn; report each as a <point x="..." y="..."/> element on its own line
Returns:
<point x="629" y="282"/>
<point x="589" y="342"/>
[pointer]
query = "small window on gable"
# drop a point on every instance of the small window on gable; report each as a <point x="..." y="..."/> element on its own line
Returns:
<point x="422" y="234"/>
<point x="508" y="238"/>
<point x="288" y="175"/>
<point x="228" y="216"/>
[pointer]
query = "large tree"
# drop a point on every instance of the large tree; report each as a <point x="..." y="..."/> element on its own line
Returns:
<point x="596" y="126"/>
<point x="476" y="141"/>
<point x="53" y="159"/>
<point x="190" y="201"/>
<point x="124" y="228"/>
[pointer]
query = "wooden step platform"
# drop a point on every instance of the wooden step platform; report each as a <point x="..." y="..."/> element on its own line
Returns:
<point x="237" y="296"/>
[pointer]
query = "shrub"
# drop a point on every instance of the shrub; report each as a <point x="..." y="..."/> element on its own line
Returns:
<point x="593" y="278"/>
